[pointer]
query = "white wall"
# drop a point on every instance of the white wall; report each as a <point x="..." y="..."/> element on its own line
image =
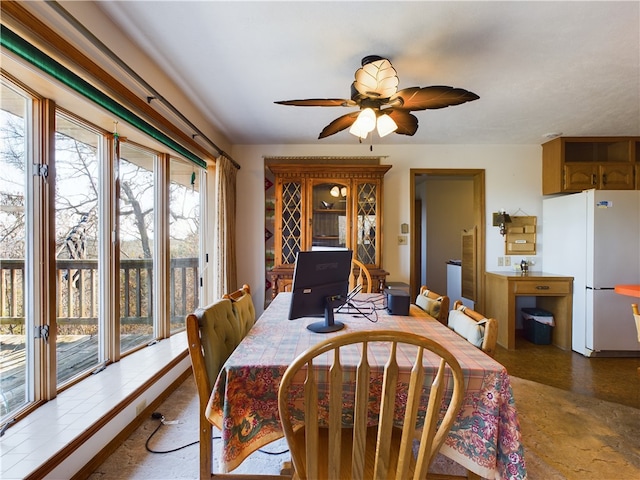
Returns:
<point x="513" y="172"/>
<point x="513" y="181"/>
<point x="449" y="211"/>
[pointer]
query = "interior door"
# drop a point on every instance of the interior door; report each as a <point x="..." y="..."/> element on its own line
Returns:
<point x="476" y="205"/>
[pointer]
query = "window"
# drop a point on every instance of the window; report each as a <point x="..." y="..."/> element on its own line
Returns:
<point x="136" y="224"/>
<point x="184" y="238"/>
<point x="78" y="243"/>
<point x="16" y="354"/>
<point x="101" y="294"/>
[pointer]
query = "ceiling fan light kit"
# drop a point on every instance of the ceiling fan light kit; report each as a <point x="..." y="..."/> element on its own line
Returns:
<point x="386" y="125"/>
<point x="382" y="105"/>
<point x="364" y="124"/>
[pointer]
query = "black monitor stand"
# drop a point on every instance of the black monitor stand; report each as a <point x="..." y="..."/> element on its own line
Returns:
<point x="329" y="324"/>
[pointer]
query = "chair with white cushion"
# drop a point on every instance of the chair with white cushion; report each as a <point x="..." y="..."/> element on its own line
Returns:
<point x="434" y="304"/>
<point x="475" y="327"/>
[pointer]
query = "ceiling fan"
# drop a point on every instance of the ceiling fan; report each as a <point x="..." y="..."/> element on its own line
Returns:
<point x="382" y="105"/>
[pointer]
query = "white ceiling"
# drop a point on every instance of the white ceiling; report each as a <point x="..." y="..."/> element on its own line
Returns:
<point x="538" y="67"/>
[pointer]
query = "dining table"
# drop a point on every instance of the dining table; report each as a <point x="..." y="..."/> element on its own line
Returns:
<point x="485" y="437"/>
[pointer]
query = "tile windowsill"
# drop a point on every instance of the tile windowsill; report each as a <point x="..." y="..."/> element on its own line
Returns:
<point x="34" y="440"/>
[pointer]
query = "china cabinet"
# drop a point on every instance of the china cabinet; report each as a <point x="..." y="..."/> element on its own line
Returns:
<point x="573" y="164"/>
<point x="327" y="206"/>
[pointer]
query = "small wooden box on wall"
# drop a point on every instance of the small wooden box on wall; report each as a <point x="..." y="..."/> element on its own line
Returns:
<point x="521" y="236"/>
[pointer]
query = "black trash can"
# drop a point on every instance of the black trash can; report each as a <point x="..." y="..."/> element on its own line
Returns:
<point x="538" y="325"/>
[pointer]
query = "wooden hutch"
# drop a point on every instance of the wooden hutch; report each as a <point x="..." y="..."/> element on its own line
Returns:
<point x="327" y="206"/>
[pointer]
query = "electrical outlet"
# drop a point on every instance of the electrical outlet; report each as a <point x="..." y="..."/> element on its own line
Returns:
<point x="140" y="407"/>
<point x="507" y="261"/>
<point x="500" y="261"/>
<point x="402" y="239"/>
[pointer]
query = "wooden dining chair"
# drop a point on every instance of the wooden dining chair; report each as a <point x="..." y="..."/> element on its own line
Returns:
<point x="636" y="317"/>
<point x="360" y="275"/>
<point x="475" y="327"/>
<point x="433" y="303"/>
<point x="361" y="452"/>
<point x="243" y="308"/>
<point x="212" y="333"/>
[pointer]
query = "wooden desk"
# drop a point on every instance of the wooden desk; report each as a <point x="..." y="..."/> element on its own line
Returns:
<point x="553" y="293"/>
<point x="485" y="438"/>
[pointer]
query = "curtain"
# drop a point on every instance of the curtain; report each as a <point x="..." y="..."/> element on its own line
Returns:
<point x="226" y="280"/>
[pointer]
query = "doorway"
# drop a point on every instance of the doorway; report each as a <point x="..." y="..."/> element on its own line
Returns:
<point x="444" y="202"/>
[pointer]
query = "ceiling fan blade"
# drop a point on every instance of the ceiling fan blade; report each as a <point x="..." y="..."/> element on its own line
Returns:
<point x="440" y="96"/>
<point x="407" y="123"/>
<point x="319" y="102"/>
<point x="339" y="124"/>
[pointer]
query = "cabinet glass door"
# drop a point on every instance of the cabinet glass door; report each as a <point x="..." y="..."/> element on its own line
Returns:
<point x="366" y="206"/>
<point x="329" y="207"/>
<point x="291" y="221"/>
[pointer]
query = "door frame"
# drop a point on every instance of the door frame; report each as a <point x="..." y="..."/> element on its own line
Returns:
<point x="478" y="177"/>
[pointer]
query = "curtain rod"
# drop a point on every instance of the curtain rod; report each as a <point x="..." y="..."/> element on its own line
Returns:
<point x="155" y="94"/>
<point x="19" y="46"/>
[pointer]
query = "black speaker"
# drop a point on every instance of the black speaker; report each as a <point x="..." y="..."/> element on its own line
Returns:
<point x="397" y="302"/>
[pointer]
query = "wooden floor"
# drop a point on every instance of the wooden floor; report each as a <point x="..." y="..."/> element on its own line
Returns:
<point x="74" y="353"/>
<point x="612" y="379"/>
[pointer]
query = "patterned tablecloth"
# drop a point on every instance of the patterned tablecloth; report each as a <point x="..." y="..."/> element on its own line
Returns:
<point x="244" y="404"/>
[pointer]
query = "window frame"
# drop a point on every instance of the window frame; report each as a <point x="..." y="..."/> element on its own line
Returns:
<point x="40" y="262"/>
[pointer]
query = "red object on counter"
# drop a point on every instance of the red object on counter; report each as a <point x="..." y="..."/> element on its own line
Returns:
<point x="631" y="290"/>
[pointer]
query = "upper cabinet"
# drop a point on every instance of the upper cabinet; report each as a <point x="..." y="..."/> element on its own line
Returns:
<point x="327" y="206"/>
<point x="573" y="164"/>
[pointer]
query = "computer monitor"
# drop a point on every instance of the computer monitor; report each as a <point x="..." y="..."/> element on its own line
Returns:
<point x="320" y="284"/>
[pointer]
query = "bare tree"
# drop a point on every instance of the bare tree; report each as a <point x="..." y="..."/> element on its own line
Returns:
<point x="12" y="201"/>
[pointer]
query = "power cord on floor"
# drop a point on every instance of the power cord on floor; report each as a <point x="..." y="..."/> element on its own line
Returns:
<point x="159" y="416"/>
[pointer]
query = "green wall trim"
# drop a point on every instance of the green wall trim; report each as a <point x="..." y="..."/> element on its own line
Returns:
<point x="16" y="44"/>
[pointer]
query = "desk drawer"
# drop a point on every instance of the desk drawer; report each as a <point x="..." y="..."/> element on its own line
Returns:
<point x="533" y="287"/>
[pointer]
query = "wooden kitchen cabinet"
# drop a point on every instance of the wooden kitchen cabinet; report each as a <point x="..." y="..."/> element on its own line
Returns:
<point x="573" y="164"/>
<point x="327" y="206"/>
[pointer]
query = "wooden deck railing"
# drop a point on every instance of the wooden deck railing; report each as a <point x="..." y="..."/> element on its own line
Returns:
<point x="77" y="291"/>
<point x="77" y="315"/>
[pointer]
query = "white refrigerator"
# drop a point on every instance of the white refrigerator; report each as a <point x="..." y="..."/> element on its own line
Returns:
<point x="594" y="236"/>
